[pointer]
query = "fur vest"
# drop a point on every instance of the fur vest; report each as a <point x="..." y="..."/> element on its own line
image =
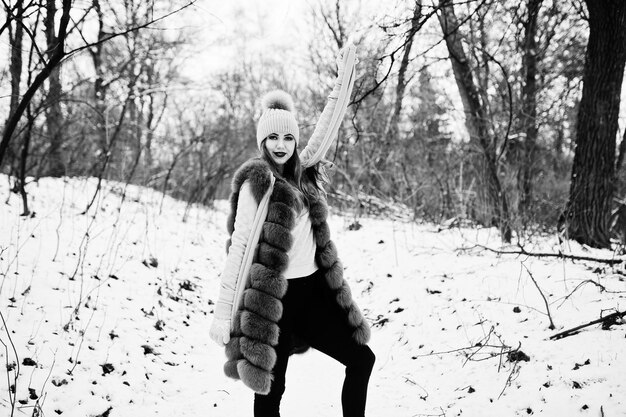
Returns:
<point x="254" y="334"/>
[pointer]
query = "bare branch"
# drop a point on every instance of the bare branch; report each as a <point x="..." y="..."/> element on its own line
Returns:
<point x="17" y="364"/>
<point x="522" y="251"/>
<point x="607" y="320"/>
<point x="552" y="326"/>
<point x="127" y="31"/>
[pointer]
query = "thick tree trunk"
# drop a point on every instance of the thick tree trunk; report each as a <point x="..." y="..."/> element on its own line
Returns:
<point x="528" y="117"/>
<point x="475" y="117"/>
<point x="593" y="176"/>
<point x="54" y="119"/>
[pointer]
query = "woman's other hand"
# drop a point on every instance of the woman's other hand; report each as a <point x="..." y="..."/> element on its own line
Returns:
<point x="220" y="331"/>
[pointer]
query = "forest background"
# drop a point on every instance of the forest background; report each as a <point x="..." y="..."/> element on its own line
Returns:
<point x="499" y="113"/>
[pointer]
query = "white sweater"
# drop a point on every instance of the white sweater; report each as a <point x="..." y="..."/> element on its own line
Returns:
<point x="302" y="253"/>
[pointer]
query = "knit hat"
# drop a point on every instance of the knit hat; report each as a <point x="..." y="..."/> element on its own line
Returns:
<point x="278" y="117"/>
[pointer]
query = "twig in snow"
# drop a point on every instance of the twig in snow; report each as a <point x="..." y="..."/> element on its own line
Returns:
<point x="522" y="251"/>
<point x="42" y="390"/>
<point x="552" y="327"/>
<point x="588" y="281"/>
<point x="409" y="380"/>
<point x="477" y="348"/>
<point x="514" y="370"/>
<point x="480" y="345"/>
<point x="442" y="414"/>
<point x="17" y="365"/>
<point x="604" y="320"/>
<point x="58" y="228"/>
<point x="80" y="345"/>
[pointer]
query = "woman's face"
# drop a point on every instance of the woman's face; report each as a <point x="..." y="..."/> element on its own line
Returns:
<point x="280" y="146"/>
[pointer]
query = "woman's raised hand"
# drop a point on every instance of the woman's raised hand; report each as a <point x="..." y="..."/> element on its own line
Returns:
<point x="340" y="60"/>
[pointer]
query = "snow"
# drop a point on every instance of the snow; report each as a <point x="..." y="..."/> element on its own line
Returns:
<point x="114" y="307"/>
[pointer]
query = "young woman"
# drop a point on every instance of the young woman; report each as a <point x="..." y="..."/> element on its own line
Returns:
<point x="282" y="288"/>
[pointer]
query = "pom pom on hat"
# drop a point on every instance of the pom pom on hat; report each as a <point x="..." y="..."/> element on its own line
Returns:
<point x="278" y="116"/>
<point x="278" y="99"/>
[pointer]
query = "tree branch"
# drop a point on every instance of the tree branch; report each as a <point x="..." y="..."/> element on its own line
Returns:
<point x="524" y="252"/>
<point x="611" y="318"/>
<point x="127" y="31"/>
<point x="57" y="58"/>
<point x="552" y="326"/>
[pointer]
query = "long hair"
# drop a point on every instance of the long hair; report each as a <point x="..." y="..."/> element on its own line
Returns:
<point x="306" y="182"/>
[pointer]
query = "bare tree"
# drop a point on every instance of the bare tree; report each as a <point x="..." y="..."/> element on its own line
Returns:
<point x="415" y="25"/>
<point x="16" y="56"/>
<point x="16" y="42"/>
<point x="528" y="117"/>
<point x="476" y="116"/>
<point x="100" y="86"/>
<point x="55" y="57"/>
<point x="54" y="118"/>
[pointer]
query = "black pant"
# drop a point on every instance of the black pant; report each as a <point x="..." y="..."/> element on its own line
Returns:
<point x="310" y="313"/>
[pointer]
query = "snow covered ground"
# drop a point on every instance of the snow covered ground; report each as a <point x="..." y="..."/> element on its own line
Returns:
<point x="107" y="314"/>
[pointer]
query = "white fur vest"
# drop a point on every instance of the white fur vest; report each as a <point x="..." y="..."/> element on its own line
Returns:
<point x="250" y="352"/>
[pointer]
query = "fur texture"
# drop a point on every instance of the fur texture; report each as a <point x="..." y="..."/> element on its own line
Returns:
<point x="260" y="179"/>
<point x="277" y="99"/>
<point x="268" y="281"/>
<point x="250" y="352"/>
<point x="277" y="236"/>
<point x="267" y="306"/>
<point x="259" y="354"/>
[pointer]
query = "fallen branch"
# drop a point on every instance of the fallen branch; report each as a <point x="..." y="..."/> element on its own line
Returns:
<point x="611" y="318"/>
<point x="522" y="251"/>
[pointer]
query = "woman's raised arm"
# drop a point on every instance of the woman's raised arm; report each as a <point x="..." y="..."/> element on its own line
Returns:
<point x="328" y="124"/>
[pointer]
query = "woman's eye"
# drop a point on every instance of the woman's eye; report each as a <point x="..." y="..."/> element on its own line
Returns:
<point x="288" y="137"/>
<point x="272" y="137"/>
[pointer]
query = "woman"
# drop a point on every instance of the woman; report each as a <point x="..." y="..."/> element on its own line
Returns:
<point x="282" y="289"/>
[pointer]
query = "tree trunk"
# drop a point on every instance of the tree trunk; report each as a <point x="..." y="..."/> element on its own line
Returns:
<point x="23" y="159"/>
<point x="15" y="66"/>
<point x="475" y="117"/>
<point x="528" y="117"/>
<point x="404" y="64"/>
<point x="593" y="173"/>
<point x="621" y="154"/>
<point x="16" y="59"/>
<point x="392" y="130"/>
<point x="99" y="88"/>
<point x="53" y="62"/>
<point x="54" y="119"/>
